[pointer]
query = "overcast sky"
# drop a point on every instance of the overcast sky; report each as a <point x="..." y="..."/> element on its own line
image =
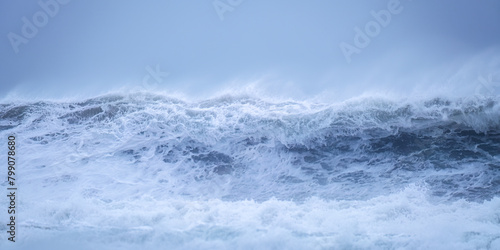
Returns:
<point x="303" y="48"/>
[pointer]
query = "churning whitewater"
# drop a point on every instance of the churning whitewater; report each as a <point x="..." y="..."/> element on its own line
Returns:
<point x="239" y="172"/>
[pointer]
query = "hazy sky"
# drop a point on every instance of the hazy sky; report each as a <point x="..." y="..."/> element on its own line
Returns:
<point x="304" y="48"/>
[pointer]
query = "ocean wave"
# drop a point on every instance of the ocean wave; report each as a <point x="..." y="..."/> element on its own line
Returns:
<point x="239" y="147"/>
<point x="150" y="170"/>
<point x="479" y="113"/>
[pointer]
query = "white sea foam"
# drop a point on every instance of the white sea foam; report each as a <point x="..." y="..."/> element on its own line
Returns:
<point x="236" y="172"/>
<point x="403" y="220"/>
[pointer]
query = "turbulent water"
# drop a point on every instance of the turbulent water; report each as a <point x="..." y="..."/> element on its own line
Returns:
<point x="237" y="172"/>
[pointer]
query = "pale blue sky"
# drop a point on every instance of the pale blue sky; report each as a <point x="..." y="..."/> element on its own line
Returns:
<point x="93" y="46"/>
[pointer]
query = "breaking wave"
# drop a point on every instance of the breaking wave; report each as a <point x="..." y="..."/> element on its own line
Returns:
<point x="243" y="172"/>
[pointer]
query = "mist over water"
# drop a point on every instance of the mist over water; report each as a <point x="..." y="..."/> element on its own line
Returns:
<point x="476" y="74"/>
<point x="289" y="49"/>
